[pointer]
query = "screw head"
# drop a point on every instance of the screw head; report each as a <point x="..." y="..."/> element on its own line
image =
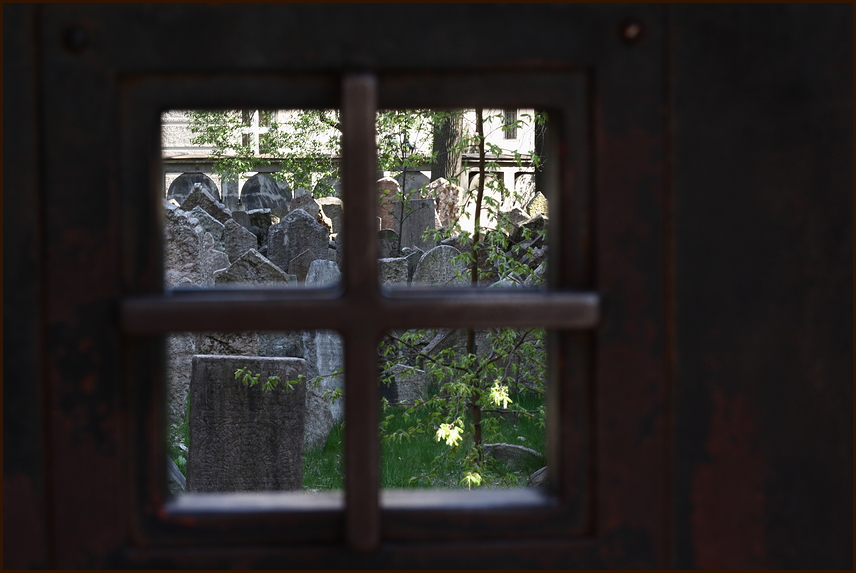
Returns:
<point x="76" y="39"/>
<point x="630" y="31"/>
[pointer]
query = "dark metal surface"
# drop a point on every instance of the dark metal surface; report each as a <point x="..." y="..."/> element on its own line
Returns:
<point x="706" y="222"/>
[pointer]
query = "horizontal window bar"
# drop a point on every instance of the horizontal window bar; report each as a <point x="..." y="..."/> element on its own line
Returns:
<point x="159" y="314"/>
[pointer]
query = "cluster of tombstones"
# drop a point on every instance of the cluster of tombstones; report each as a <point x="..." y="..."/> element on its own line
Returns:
<point x="207" y="245"/>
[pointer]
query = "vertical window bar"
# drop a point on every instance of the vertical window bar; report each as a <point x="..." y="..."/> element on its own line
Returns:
<point x="362" y="480"/>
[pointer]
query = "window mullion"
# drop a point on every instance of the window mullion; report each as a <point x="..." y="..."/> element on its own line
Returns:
<point x="362" y="449"/>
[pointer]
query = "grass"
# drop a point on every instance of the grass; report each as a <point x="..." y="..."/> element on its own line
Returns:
<point x="422" y="461"/>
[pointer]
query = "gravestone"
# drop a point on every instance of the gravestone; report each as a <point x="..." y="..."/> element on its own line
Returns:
<point x="412" y="255"/>
<point x="251" y="269"/>
<point x="323" y="274"/>
<point x="202" y="198"/>
<point x="414" y="218"/>
<point x="437" y="268"/>
<point x="182" y="247"/>
<point x="180" y="348"/>
<point x="410" y="383"/>
<point x="241" y="218"/>
<point x="388" y="194"/>
<point x="299" y="265"/>
<point x="296" y="233"/>
<point x="181" y="187"/>
<point x="210" y="224"/>
<point x="447" y="196"/>
<point x="245" y="438"/>
<point x="211" y="260"/>
<point x="512" y="455"/>
<point x="261" y="220"/>
<point x="414" y="184"/>
<point x="328" y="187"/>
<point x="333" y="210"/>
<point x="538" y="205"/>
<point x="237" y="240"/>
<point x="393" y="272"/>
<point x="261" y="191"/>
<point x="388" y="243"/>
<point x="524" y="187"/>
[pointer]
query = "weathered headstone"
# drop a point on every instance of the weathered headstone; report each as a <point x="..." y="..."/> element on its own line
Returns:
<point x="241" y="218"/>
<point x="245" y="438"/>
<point x="438" y="268"/>
<point x="447" y="196"/>
<point x="251" y="269"/>
<point x="414" y="184"/>
<point x="228" y="343"/>
<point x="328" y="186"/>
<point x="210" y="224"/>
<point x="538" y="205"/>
<point x="261" y="219"/>
<point x="388" y="194"/>
<point x="323" y="274"/>
<point x="512" y="455"/>
<point x="182" y="247"/>
<point x="388" y="243"/>
<point x="202" y="198"/>
<point x="412" y="255"/>
<point x="393" y="272"/>
<point x="237" y="240"/>
<point x="261" y="191"/>
<point x="212" y="259"/>
<point x="181" y="187"/>
<point x="299" y="265"/>
<point x="524" y="187"/>
<point x="333" y="209"/>
<point x="180" y="348"/>
<point x="298" y="232"/>
<point x="410" y="383"/>
<point x="414" y="218"/>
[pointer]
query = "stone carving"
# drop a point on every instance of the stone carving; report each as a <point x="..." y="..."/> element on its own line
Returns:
<point x="201" y="197"/>
<point x="242" y="437"/>
<point x="437" y="267"/>
<point x="298" y="232"/>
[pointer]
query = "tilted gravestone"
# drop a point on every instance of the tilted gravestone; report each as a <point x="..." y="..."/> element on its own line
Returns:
<point x="437" y="267"/>
<point x="209" y="223"/>
<point x="334" y="210"/>
<point x="388" y="246"/>
<point x="388" y="193"/>
<point x="393" y="272"/>
<point x="243" y="437"/>
<point x="237" y="240"/>
<point x="296" y="233"/>
<point x="251" y="269"/>
<point x="202" y="198"/>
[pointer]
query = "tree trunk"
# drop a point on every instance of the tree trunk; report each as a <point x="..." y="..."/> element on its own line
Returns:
<point x="540" y="152"/>
<point x="447" y="147"/>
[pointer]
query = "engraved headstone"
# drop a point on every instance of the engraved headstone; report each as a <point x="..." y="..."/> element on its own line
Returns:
<point x="393" y="272"/>
<point x="414" y="218"/>
<point x="333" y="210"/>
<point x="251" y="269"/>
<point x="296" y="233"/>
<point x="438" y="268"/>
<point x="237" y="240"/>
<point x="210" y="224"/>
<point x="242" y="437"/>
<point x="388" y="194"/>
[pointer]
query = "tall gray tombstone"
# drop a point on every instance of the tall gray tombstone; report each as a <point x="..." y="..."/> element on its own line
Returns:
<point x="414" y="218"/>
<point x="296" y="233"/>
<point x="245" y="438"/>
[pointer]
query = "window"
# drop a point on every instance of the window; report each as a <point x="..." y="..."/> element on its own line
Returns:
<point x="360" y="314"/>
<point x="509" y="126"/>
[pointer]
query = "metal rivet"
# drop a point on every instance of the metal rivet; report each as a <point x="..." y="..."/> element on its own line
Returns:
<point x="631" y="31"/>
<point x="76" y="39"/>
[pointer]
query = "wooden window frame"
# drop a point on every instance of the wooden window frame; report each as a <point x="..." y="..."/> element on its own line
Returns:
<point x="360" y="312"/>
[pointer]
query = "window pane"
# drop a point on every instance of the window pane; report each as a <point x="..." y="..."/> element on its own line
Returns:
<point x="431" y="199"/>
<point x="255" y="411"/>
<point x="463" y="409"/>
<point x="251" y="198"/>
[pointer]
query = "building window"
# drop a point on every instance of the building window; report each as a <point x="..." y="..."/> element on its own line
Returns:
<point x="509" y="125"/>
